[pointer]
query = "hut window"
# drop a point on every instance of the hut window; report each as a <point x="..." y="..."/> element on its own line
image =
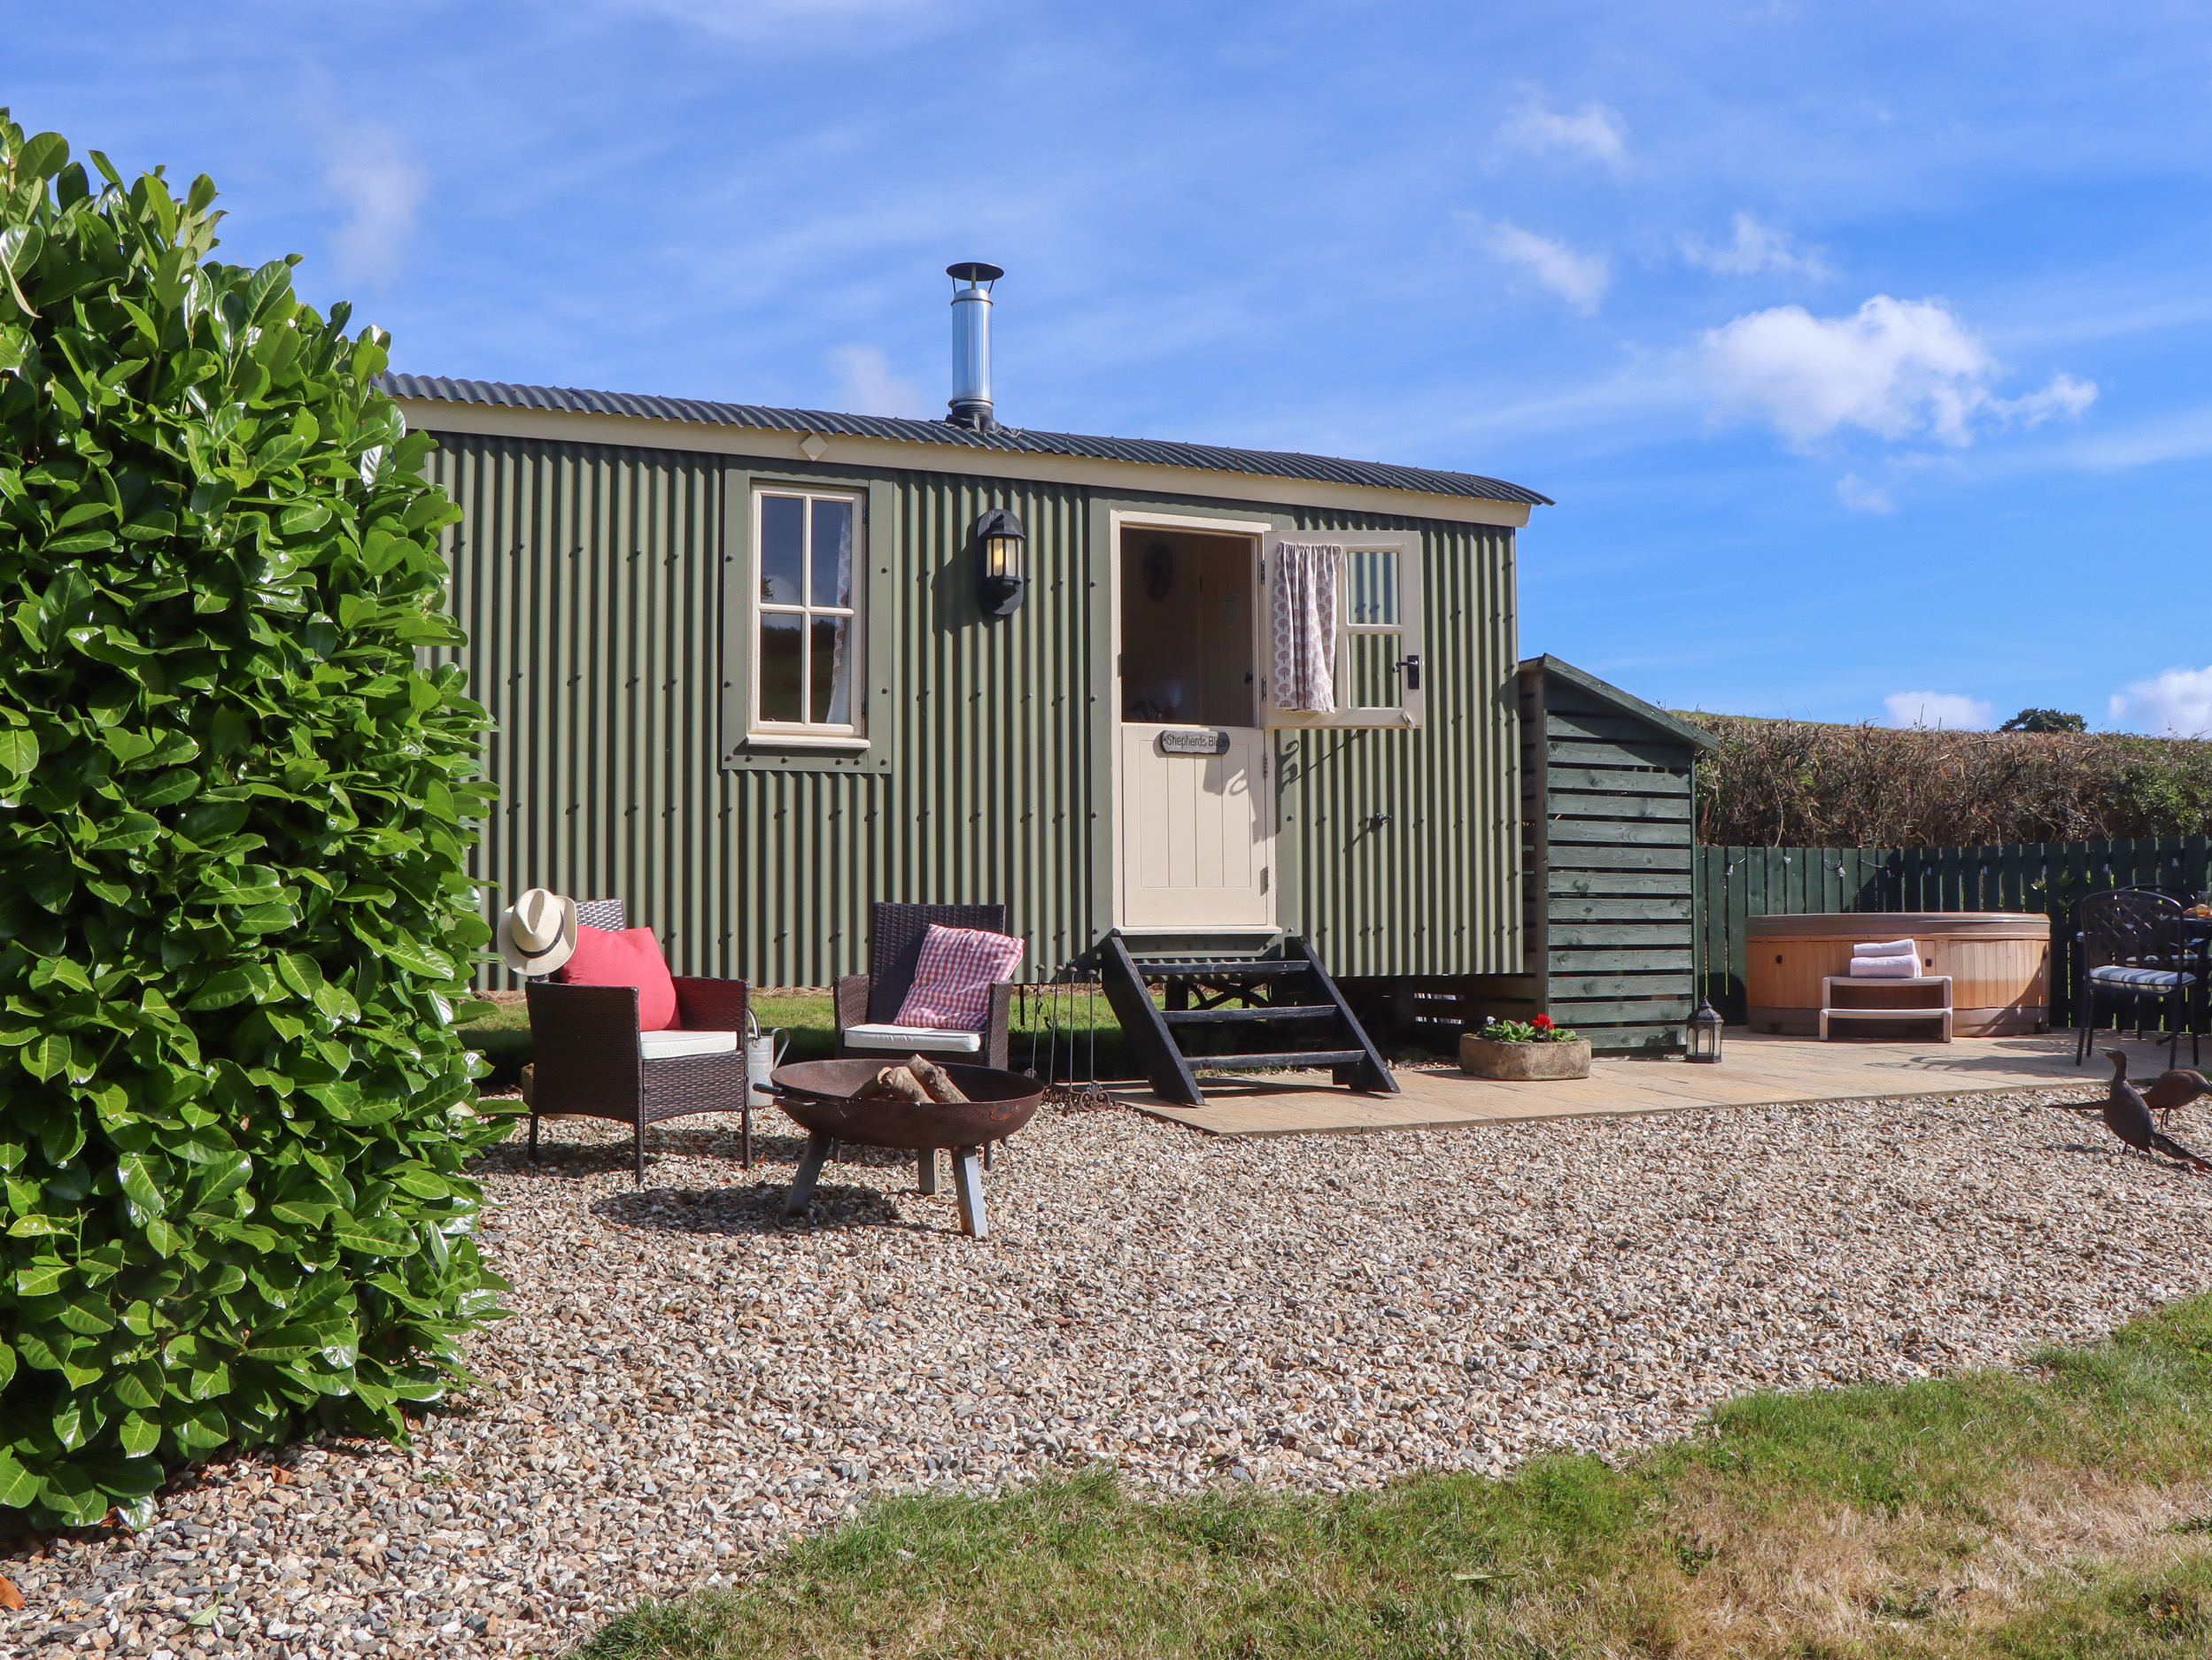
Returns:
<point x="1377" y="619"/>
<point x="809" y="563"/>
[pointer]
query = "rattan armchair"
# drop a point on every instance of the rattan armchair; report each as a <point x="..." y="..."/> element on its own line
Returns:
<point x="894" y="947"/>
<point x="589" y="1062"/>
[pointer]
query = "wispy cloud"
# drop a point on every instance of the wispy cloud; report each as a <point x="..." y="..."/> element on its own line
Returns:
<point x="1895" y="368"/>
<point x="1948" y="709"/>
<point x="785" y="22"/>
<point x="2184" y="435"/>
<point x="866" y="386"/>
<point x="1577" y="278"/>
<point x="1593" y="133"/>
<point x="1755" y="249"/>
<point x="379" y="186"/>
<point x="2178" y="703"/>
<point x="1860" y="497"/>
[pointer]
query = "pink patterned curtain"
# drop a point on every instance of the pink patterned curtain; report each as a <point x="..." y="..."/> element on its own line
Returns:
<point x="1306" y="575"/>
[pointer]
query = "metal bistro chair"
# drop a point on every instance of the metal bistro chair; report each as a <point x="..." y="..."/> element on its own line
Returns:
<point x="2134" y="945"/>
<point x="895" y="949"/>
<point x="589" y="1061"/>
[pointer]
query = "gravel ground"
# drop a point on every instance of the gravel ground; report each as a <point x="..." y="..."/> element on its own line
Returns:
<point x="689" y="1380"/>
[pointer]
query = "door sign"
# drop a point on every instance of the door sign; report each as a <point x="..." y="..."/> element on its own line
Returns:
<point x="1189" y="743"/>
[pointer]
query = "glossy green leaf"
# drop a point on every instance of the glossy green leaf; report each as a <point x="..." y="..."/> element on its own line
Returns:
<point x="47" y="1056"/>
<point x="86" y="1314"/>
<point x="300" y="973"/>
<point x="139" y="1185"/>
<point x="139" y="1387"/>
<point x="17" y="1485"/>
<point x="353" y="1236"/>
<point x="41" y="1276"/>
<point x="19" y="751"/>
<point x="417" y="958"/>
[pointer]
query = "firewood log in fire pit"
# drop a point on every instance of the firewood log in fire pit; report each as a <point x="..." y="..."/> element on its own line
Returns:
<point x="894" y="1082"/>
<point x="935" y="1080"/>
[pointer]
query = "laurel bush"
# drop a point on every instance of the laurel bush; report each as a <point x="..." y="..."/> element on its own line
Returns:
<point x="233" y="824"/>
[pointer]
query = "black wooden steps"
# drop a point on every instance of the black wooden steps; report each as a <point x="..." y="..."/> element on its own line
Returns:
<point x="1250" y="968"/>
<point x="1286" y="1001"/>
<point x="1258" y="1011"/>
<point x="1289" y="1058"/>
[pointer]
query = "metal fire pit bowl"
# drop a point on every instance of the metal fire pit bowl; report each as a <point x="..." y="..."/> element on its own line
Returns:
<point x="818" y="1095"/>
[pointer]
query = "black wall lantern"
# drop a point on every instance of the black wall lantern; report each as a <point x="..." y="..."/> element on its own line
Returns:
<point x="1002" y="563"/>
<point x="1703" y="1034"/>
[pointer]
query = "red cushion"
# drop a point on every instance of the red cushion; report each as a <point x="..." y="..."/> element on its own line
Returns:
<point x="630" y="958"/>
<point x="953" y="976"/>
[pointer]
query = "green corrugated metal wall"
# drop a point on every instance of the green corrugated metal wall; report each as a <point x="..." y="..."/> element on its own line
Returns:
<point x="589" y="580"/>
<point x="1433" y="890"/>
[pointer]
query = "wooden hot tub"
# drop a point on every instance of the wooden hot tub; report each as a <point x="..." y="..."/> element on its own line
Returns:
<point x="1998" y="962"/>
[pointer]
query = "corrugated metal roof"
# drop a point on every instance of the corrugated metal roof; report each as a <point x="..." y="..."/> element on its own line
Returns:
<point x="1147" y="452"/>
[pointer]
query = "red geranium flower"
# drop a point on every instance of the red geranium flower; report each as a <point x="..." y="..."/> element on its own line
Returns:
<point x="1542" y="1022"/>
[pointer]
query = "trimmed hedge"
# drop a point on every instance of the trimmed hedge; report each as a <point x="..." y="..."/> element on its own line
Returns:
<point x="1798" y="783"/>
<point x="234" y="912"/>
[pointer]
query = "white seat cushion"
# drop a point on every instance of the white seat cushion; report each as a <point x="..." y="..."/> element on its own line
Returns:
<point x="908" y="1038"/>
<point x="670" y="1045"/>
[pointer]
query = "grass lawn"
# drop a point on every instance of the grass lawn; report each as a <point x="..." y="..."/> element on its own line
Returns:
<point x="2064" y="1512"/>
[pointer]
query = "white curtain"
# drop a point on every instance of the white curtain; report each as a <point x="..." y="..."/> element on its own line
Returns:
<point x="1306" y="577"/>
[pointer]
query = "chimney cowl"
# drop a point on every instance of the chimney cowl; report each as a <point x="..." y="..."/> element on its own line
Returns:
<point x="971" y="403"/>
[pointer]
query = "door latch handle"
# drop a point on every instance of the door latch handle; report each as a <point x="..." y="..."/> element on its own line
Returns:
<point x="1412" y="667"/>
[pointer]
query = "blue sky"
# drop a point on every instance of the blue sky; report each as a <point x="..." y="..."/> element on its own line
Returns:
<point x="1864" y="348"/>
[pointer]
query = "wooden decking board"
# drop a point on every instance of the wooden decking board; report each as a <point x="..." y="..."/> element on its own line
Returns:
<point x="1755" y="1071"/>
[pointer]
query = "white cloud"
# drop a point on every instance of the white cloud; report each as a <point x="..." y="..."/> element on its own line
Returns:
<point x="1946" y="709"/>
<point x="1896" y="368"/>
<point x="1755" y="249"/>
<point x="1594" y="132"/>
<point x="1860" y="497"/>
<point x="379" y="186"/>
<point x="866" y="386"/>
<point x="2178" y="703"/>
<point x="1578" y="278"/>
<point x="2064" y="396"/>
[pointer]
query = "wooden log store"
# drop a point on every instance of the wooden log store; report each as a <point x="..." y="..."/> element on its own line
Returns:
<point x="1608" y="908"/>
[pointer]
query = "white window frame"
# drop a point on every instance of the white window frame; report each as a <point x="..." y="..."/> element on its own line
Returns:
<point x="1407" y="545"/>
<point x="846" y="734"/>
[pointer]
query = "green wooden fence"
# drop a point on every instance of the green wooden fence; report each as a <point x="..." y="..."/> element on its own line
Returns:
<point x="1734" y="882"/>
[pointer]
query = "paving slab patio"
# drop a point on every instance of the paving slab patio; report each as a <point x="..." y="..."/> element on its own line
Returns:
<point x="1755" y="1070"/>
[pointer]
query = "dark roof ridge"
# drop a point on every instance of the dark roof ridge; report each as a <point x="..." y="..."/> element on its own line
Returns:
<point x="1150" y="451"/>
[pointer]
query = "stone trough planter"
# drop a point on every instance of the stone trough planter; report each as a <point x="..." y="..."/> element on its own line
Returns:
<point x="1519" y="1061"/>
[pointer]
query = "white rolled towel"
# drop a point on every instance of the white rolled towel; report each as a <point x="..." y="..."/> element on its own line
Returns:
<point x="1885" y="968"/>
<point x="1885" y="948"/>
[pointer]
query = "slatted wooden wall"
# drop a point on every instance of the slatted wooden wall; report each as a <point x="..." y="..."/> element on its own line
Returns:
<point x="1608" y="908"/>
<point x="1736" y="883"/>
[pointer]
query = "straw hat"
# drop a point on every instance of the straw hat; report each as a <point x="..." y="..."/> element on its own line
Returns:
<point x="538" y="932"/>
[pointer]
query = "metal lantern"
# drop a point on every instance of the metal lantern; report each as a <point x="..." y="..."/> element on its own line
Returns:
<point x="1702" y="1036"/>
<point x="1002" y="565"/>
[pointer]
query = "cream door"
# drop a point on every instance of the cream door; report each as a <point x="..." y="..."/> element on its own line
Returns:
<point x="1197" y="827"/>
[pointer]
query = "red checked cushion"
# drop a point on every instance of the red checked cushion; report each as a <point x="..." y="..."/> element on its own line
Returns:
<point x="953" y="978"/>
<point x="630" y="958"/>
